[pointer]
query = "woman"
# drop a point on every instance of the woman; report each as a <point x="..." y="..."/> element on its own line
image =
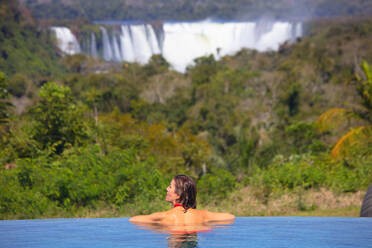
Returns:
<point x="182" y="194"/>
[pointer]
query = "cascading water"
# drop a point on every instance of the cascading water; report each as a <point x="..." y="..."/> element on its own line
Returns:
<point x="107" y="50"/>
<point x="66" y="41"/>
<point x="93" y="45"/>
<point x="127" y="44"/>
<point x="181" y="43"/>
<point x="144" y="42"/>
<point x="116" y="49"/>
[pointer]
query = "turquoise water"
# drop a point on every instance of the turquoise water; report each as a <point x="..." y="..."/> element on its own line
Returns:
<point x="280" y="232"/>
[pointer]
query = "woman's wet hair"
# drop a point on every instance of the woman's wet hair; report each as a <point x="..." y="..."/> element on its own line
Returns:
<point x="186" y="189"/>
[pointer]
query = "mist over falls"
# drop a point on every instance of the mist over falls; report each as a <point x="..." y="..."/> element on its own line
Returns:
<point x="180" y="43"/>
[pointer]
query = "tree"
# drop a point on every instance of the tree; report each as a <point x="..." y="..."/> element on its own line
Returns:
<point x="157" y="64"/>
<point x="356" y="137"/>
<point x="204" y="68"/>
<point x="93" y="97"/>
<point x="59" y="121"/>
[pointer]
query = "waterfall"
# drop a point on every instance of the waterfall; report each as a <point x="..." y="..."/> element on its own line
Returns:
<point x="127" y="49"/>
<point x="107" y="51"/>
<point x="144" y="42"/>
<point x="93" y="45"/>
<point x="181" y="42"/>
<point x="298" y="30"/>
<point x="66" y="41"/>
<point x="116" y="49"/>
<point x="279" y="33"/>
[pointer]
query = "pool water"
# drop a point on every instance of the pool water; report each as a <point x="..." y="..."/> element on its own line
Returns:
<point x="279" y="232"/>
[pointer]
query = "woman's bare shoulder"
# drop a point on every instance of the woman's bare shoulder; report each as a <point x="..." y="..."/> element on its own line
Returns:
<point x="151" y="218"/>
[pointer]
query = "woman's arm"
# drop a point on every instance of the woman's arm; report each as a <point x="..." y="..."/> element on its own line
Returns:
<point x="150" y="218"/>
<point x="214" y="216"/>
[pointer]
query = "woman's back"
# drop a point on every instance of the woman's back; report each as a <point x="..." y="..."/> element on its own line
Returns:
<point x="178" y="216"/>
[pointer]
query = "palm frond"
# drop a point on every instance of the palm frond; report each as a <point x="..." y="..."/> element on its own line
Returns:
<point x="333" y="118"/>
<point x="352" y="141"/>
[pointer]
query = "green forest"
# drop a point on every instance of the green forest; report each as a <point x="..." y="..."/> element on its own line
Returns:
<point x="151" y="10"/>
<point x="262" y="133"/>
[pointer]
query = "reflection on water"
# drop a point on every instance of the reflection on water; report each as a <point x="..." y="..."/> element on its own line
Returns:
<point x="186" y="240"/>
<point x="185" y="236"/>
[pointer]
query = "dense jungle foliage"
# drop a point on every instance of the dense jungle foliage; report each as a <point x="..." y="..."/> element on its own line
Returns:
<point x="76" y="141"/>
<point x="196" y="9"/>
<point x="25" y="47"/>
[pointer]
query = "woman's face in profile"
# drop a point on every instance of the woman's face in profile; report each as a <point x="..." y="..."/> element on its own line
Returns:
<point x="171" y="193"/>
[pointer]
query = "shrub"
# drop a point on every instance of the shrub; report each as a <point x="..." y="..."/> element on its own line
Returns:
<point x="80" y="177"/>
<point x="215" y="186"/>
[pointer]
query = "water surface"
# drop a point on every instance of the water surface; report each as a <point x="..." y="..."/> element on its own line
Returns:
<point x="260" y="232"/>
